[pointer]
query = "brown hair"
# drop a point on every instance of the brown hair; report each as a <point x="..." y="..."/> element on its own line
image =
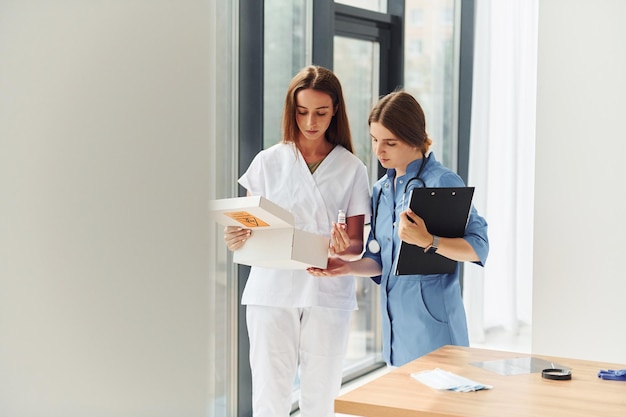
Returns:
<point x="403" y="116"/>
<point x="324" y="80"/>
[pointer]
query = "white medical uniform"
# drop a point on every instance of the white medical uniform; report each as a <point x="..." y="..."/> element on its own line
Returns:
<point x="292" y="316"/>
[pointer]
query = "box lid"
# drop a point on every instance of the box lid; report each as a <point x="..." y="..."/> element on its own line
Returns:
<point x="250" y="212"/>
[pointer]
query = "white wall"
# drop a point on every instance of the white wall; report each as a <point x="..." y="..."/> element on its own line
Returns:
<point x="104" y="182"/>
<point x="580" y="211"/>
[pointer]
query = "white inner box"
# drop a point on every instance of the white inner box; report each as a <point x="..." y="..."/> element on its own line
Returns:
<point x="275" y="242"/>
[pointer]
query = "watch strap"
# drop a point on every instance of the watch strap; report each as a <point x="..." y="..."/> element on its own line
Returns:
<point x="432" y="248"/>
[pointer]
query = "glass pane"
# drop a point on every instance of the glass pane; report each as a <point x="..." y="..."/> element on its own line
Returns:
<point x="285" y="53"/>
<point x="222" y="291"/>
<point x="429" y="70"/>
<point x="356" y="63"/>
<point x="375" y="5"/>
<point x="285" y="47"/>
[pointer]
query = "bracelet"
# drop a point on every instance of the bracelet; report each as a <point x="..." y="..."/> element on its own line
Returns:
<point x="432" y="248"/>
<point x="557" y="374"/>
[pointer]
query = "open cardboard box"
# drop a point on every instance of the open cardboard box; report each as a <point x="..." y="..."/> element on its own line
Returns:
<point x="275" y="242"/>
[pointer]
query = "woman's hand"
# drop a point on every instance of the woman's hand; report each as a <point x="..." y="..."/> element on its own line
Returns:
<point x="336" y="267"/>
<point x="412" y="229"/>
<point x="339" y="238"/>
<point x="236" y="236"/>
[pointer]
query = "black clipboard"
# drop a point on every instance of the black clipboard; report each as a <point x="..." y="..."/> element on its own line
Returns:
<point x="445" y="212"/>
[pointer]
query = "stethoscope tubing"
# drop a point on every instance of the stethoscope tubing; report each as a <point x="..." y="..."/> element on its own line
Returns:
<point x="417" y="177"/>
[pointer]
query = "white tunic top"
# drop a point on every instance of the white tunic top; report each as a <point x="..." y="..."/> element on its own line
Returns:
<point x="281" y="175"/>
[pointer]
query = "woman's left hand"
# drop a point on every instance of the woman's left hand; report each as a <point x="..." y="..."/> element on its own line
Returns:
<point x="412" y="229"/>
<point x="336" y="267"/>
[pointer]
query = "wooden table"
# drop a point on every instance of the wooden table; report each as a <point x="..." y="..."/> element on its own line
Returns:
<point x="397" y="394"/>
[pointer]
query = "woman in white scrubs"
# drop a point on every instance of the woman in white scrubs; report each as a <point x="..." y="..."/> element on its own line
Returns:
<point x="420" y="313"/>
<point x="294" y="318"/>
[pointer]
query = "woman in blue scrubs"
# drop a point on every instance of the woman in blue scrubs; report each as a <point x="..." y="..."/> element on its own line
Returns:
<point x="420" y="313"/>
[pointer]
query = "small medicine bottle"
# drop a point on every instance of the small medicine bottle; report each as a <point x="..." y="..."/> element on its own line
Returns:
<point x="341" y="217"/>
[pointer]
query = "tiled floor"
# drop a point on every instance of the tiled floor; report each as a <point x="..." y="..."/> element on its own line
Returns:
<point x="497" y="339"/>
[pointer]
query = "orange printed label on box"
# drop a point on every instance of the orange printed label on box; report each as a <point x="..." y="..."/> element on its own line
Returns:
<point x="246" y="219"/>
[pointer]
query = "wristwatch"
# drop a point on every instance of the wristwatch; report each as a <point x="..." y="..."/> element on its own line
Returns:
<point x="432" y="248"/>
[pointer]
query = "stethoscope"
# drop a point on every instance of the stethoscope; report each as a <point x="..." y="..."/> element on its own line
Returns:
<point x="374" y="246"/>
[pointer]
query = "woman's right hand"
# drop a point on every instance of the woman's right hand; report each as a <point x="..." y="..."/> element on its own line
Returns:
<point x="235" y="237"/>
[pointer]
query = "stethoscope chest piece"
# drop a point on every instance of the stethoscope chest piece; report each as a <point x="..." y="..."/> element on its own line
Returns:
<point x="373" y="246"/>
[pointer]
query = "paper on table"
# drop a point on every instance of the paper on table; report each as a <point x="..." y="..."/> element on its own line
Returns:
<point x="444" y="380"/>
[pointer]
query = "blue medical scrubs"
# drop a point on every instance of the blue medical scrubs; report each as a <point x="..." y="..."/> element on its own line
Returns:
<point x="420" y="313"/>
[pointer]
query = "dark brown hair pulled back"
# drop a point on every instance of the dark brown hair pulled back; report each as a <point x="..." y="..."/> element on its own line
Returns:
<point x="401" y="114"/>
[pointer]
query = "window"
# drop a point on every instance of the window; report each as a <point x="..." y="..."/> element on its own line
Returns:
<point x="356" y="64"/>
<point x="283" y="37"/>
<point x="415" y="47"/>
<point x="415" y="17"/>
<point x="429" y="72"/>
<point x="283" y="57"/>
<point x="222" y="287"/>
<point x="374" y="5"/>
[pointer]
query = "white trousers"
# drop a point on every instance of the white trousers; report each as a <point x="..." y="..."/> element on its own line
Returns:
<point x="280" y="338"/>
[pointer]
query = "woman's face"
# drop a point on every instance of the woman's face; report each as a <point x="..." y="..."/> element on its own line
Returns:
<point x="314" y="112"/>
<point x="391" y="151"/>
